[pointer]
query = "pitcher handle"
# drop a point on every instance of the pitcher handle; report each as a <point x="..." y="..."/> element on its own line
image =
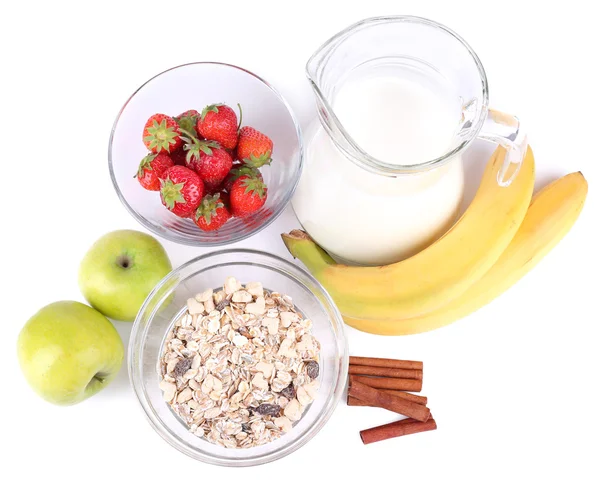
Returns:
<point x="506" y="130"/>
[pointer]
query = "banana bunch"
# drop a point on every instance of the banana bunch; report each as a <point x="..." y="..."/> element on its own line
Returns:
<point x="500" y="237"/>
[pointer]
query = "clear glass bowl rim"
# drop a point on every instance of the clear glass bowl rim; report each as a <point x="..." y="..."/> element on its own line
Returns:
<point x="241" y="235"/>
<point x="291" y="271"/>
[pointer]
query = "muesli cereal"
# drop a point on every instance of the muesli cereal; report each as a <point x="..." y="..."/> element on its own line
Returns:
<point x="240" y="366"/>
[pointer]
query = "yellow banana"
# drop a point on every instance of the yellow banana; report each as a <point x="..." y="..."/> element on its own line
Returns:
<point x="552" y="213"/>
<point x="439" y="273"/>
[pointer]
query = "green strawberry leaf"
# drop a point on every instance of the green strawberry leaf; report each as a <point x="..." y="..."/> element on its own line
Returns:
<point x="161" y="136"/>
<point x="254" y="185"/>
<point x="189" y="135"/>
<point x="211" y="107"/>
<point x="145" y="164"/>
<point x="206" y="146"/>
<point x="187" y="123"/>
<point x="256" y="162"/>
<point x="236" y="173"/>
<point x="171" y="193"/>
<point x="208" y="207"/>
<point x="195" y="146"/>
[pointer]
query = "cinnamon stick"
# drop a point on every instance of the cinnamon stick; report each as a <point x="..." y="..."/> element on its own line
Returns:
<point x="367" y="370"/>
<point x="399" y="428"/>
<point x="352" y="401"/>
<point x="408" y="396"/>
<point x="381" y="399"/>
<point x="389" y="363"/>
<point x="413" y="385"/>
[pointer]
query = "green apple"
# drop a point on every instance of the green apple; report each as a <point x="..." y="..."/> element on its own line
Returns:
<point x="119" y="271"/>
<point x="68" y="352"/>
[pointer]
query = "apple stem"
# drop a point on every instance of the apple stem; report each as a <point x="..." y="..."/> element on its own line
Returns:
<point x="123" y="261"/>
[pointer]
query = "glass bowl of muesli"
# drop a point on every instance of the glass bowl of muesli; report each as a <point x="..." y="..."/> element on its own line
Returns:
<point x="238" y="357"/>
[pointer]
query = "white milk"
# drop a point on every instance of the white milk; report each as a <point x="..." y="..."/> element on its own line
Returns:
<point x="364" y="218"/>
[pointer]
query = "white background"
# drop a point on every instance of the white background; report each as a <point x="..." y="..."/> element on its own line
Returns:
<point x="514" y="387"/>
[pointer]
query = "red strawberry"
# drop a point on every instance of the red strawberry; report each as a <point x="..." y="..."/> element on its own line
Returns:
<point x="218" y="122"/>
<point x="248" y="195"/>
<point x="225" y="199"/>
<point x="194" y="148"/>
<point x="152" y="168"/>
<point x="181" y="191"/>
<point x="214" y="167"/>
<point x="254" y="148"/>
<point x="238" y="171"/>
<point x="211" y="214"/>
<point x="212" y="188"/>
<point x="161" y="134"/>
<point x="178" y="156"/>
<point x="187" y="121"/>
<point x="208" y="160"/>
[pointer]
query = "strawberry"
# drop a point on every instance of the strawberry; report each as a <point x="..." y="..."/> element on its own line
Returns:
<point x="236" y="172"/>
<point x="213" y="188"/>
<point x="218" y="122"/>
<point x="152" y="168"/>
<point x="178" y="156"/>
<point x="162" y="134"/>
<point x="254" y="148"/>
<point x="248" y="195"/>
<point x="187" y="121"/>
<point x="208" y="160"/>
<point x="194" y="148"/>
<point x="213" y="167"/>
<point x="181" y="190"/>
<point x="212" y="213"/>
<point x="225" y="199"/>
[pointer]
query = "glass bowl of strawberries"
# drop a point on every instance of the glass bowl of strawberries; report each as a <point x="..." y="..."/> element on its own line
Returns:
<point x="205" y="154"/>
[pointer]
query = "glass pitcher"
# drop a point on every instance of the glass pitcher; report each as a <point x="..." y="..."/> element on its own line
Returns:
<point x="399" y="99"/>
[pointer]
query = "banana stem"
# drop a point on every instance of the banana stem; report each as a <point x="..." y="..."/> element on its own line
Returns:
<point x="301" y="246"/>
